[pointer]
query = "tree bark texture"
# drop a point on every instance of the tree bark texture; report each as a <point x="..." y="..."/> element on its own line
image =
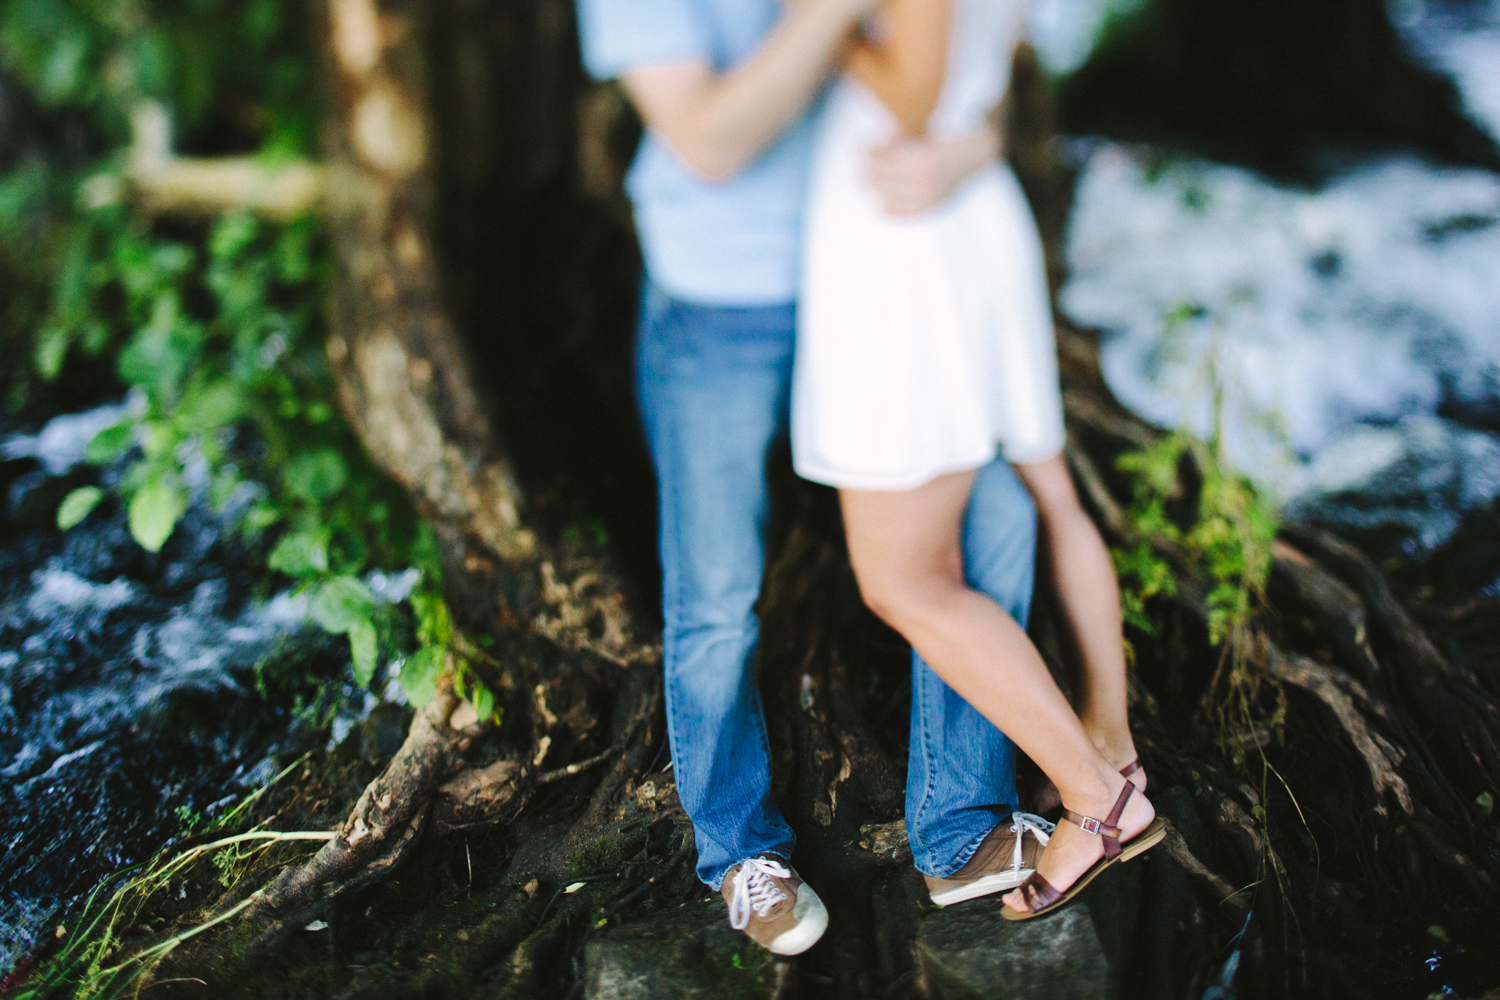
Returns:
<point x="480" y="324"/>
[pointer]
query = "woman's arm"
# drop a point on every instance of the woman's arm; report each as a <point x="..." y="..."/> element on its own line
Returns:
<point x="906" y="68"/>
<point x="911" y="174"/>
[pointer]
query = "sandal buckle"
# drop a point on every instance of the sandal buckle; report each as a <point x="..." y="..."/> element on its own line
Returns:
<point x="1090" y="825"/>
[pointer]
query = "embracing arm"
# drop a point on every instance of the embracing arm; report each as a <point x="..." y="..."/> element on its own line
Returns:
<point x="717" y="123"/>
<point x="906" y="68"/>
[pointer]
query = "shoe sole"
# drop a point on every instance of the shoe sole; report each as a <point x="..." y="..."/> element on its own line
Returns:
<point x="1139" y="844"/>
<point x="990" y="884"/>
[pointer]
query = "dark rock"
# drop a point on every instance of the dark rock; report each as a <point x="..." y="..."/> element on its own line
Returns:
<point x="12" y="469"/>
<point x="35" y="496"/>
<point x="971" y="952"/>
<point x="681" y="954"/>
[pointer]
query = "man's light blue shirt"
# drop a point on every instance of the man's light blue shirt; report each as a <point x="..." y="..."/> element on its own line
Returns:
<point x="731" y="243"/>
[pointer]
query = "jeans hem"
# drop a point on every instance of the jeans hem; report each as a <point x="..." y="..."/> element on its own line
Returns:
<point x="784" y="852"/>
<point x="964" y="855"/>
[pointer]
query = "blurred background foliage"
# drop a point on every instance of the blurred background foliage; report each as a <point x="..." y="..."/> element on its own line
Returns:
<point x="211" y="328"/>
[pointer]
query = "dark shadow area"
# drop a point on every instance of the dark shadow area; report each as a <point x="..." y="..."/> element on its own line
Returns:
<point x="1284" y="86"/>
<point x="543" y="268"/>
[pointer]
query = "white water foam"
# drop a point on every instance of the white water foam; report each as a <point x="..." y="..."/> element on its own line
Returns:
<point x="1461" y="39"/>
<point x="61" y="443"/>
<point x="1373" y="299"/>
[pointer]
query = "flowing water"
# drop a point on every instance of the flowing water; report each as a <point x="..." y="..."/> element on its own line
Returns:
<point x="140" y="694"/>
<point x="1350" y="333"/>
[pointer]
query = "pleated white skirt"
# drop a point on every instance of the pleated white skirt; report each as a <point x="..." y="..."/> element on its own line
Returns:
<point x="923" y="344"/>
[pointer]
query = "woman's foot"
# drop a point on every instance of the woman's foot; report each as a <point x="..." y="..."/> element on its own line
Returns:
<point x="1120" y="753"/>
<point x="1071" y="852"/>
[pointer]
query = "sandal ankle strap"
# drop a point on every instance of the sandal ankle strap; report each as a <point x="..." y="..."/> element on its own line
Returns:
<point x="1130" y="768"/>
<point x="1106" y="828"/>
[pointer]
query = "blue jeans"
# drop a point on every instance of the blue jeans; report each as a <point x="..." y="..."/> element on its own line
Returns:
<point x="714" y="387"/>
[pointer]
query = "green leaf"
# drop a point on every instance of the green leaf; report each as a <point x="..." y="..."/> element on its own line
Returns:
<point x="316" y="475"/>
<point x="77" y="505"/>
<point x="363" y="644"/>
<point x="51" y="348"/>
<point x="161" y="353"/>
<point x="419" y="675"/>
<point x="231" y="236"/>
<point x="341" y="602"/>
<point x="301" y="553"/>
<point x="214" y="406"/>
<point x="484" y="701"/>
<point x="260" y="517"/>
<point x="434" y="623"/>
<point x="109" y="444"/>
<point x="155" y="511"/>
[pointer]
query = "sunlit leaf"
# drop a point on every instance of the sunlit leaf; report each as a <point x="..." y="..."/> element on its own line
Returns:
<point x="419" y="675"/>
<point x="301" y="553"/>
<point x="109" y="444"/>
<point x="154" y="511"/>
<point x="216" y="405"/>
<point x="363" y="645"/>
<point x="51" y="348"/>
<point x="260" y="517"/>
<point x="340" y="602"/>
<point x="316" y="475"/>
<point x="484" y="701"/>
<point x="78" y="505"/>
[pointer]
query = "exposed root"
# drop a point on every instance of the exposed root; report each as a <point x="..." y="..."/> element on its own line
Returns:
<point x="479" y="796"/>
<point x="1353" y="707"/>
<point x="379" y="831"/>
<point x="1224" y="894"/>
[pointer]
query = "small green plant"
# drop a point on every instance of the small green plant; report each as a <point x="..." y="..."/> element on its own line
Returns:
<point x="1229" y="543"/>
<point x="94" y="962"/>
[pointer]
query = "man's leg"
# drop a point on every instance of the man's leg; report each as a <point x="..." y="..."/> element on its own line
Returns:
<point x="961" y="776"/>
<point x="713" y="385"/>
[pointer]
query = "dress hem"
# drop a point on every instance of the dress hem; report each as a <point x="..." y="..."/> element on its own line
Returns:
<point x="889" y="484"/>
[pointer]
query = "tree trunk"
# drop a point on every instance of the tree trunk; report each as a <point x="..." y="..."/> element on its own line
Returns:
<point x="496" y="230"/>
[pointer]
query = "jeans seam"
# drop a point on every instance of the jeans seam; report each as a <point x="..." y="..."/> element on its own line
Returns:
<point x="929" y="766"/>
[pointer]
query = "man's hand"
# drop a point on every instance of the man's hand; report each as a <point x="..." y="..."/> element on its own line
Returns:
<point x="912" y="175"/>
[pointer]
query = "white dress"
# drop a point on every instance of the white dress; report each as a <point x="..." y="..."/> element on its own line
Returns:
<point x="923" y="343"/>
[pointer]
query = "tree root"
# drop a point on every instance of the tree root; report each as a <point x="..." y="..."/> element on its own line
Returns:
<point x="380" y="831"/>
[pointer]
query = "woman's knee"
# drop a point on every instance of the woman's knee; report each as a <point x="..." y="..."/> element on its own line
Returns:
<point x="905" y="601"/>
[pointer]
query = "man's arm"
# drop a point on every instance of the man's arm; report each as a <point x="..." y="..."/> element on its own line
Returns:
<point x="717" y="123"/>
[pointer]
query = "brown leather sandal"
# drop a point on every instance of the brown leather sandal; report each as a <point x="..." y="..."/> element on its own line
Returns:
<point x="1130" y="768"/>
<point x="1043" y="898"/>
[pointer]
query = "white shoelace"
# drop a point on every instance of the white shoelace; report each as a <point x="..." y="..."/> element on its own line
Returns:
<point x="1022" y="823"/>
<point x="753" y="889"/>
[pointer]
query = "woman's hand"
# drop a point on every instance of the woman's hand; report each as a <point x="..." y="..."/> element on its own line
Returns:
<point x="911" y="175"/>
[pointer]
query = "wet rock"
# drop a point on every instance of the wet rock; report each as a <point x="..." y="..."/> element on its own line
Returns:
<point x="683" y="954"/>
<point x="971" y="952"/>
<point x="35" y="496"/>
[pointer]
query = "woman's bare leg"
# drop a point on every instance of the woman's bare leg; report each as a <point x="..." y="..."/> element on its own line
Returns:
<point x="905" y="547"/>
<point x="1084" y="578"/>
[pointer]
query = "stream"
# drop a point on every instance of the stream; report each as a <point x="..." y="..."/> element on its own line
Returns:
<point x="1351" y="332"/>
<point x="140" y="694"/>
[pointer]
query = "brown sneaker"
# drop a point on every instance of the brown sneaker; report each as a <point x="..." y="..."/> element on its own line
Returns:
<point x="1003" y="861"/>
<point x="771" y="904"/>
